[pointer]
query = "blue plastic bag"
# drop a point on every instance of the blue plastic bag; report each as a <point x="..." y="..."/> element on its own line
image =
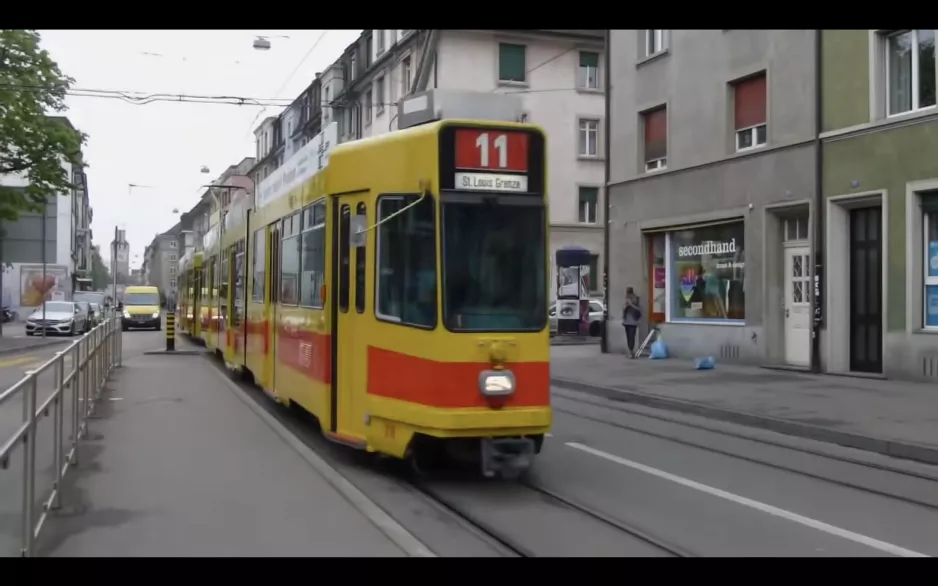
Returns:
<point x="659" y="350"/>
<point x="704" y="363"/>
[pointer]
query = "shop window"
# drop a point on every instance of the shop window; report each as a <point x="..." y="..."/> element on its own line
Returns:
<point x="657" y="277"/>
<point x="930" y="209"/>
<point x="706" y="273"/>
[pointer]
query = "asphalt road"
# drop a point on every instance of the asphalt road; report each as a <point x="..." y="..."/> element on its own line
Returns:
<point x="616" y="480"/>
<point x="13" y="368"/>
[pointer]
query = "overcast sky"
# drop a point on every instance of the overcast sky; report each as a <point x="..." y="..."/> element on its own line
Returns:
<point x="163" y="145"/>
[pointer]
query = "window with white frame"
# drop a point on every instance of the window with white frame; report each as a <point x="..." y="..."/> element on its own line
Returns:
<point x="589" y="138"/>
<point x="656" y="41"/>
<point x="172" y="270"/>
<point x="405" y="76"/>
<point x="172" y="244"/>
<point x="368" y="105"/>
<point x="379" y="42"/>
<point x="172" y="257"/>
<point x="588" y="77"/>
<point x="749" y="112"/>
<point x="379" y="95"/>
<point x="930" y="238"/>
<point x="910" y="71"/>
<point x="588" y="199"/>
<point x="172" y="283"/>
<point x="656" y="139"/>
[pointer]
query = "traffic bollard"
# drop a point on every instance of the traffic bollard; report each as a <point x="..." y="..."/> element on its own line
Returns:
<point x="170" y="332"/>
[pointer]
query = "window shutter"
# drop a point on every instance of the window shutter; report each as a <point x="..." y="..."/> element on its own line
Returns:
<point x="656" y="134"/>
<point x="511" y="62"/>
<point x="750" y="102"/>
<point x="589" y="59"/>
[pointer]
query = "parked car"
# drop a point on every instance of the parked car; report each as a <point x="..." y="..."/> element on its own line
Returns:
<point x="595" y="317"/>
<point x="61" y="317"/>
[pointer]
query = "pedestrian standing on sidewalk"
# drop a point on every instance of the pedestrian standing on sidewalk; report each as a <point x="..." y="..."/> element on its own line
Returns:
<point x="631" y="316"/>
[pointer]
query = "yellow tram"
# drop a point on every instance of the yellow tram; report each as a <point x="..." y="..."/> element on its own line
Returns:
<point x="396" y="290"/>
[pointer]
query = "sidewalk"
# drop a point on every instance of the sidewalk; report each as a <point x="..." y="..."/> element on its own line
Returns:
<point x="180" y="463"/>
<point x="889" y="417"/>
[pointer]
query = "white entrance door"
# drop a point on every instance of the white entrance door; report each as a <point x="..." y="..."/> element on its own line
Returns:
<point x="798" y="306"/>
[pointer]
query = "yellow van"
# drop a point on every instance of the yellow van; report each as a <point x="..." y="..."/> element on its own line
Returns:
<point x="141" y="308"/>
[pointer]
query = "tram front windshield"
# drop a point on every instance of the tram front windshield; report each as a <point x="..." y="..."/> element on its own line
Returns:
<point x="494" y="261"/>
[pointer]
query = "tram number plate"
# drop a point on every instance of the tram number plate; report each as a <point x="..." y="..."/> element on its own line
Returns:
<point x="389" y="431"/>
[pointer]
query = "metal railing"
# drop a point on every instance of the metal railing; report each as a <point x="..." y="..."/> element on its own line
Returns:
<point x="93" y="357"/>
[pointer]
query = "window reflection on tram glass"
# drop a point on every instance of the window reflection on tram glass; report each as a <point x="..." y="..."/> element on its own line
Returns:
<point x="494" y="266"/>
<point x="406" y="290"/>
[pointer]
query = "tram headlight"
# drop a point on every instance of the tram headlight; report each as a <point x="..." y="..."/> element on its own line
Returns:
<point x="496" y="383"/>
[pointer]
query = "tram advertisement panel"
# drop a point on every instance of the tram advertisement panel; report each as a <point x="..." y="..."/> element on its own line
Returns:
<point x="492" y="159"/>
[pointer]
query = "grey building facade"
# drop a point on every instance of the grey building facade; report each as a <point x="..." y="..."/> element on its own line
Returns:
<point x="712" y="179"/>
<point x="160" y="259"/>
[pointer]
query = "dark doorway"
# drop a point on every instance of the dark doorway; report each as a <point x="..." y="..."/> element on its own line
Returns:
<point x="866" y="290"/>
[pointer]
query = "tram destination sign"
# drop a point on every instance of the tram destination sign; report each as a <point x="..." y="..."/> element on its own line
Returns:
<point x="508" y="160"/>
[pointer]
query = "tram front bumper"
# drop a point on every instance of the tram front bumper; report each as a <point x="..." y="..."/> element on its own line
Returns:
<point x="508" y="457"/>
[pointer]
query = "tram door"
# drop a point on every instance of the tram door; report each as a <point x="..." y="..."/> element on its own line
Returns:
<point x="352" y="245"/>
<point x="273" y="286"/>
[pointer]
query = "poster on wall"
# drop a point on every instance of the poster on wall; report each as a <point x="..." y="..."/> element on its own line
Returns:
<point x="659" y="290"/>
<point x="933" y="258"/>
<point x="931" y="306"/>
<point x="707" y="273"/>
<point x="34" y="287"/>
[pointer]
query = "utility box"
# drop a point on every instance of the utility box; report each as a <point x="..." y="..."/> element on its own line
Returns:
<point x="437" y="104"/>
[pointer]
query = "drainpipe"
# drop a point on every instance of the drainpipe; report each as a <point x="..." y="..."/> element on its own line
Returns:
<point x="819" y="232"/>
<point x="607" y="86"/>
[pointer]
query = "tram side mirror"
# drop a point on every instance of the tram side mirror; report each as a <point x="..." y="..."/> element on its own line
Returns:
<point x="358" y="230"/>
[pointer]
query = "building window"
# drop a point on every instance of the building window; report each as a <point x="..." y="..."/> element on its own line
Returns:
<point x="657" y="277"/>
<point x="258" y="264"/>
<point x="379" y="95"/>
<point x="406" y="287"/>
<point x="655" y="42"/>
<point x="351" y="68"/>
<point x="379" y="42"/>
<point x="405" y="76"/>
<point x="172" y="257"/>
<point x="172" y="270"/>
<point x="172" y="244"/>
<point x="588" y="198"/>
<point x="589" y="138"/>
<point x="706" y="273"/>
<point x="930" y="207"/>
<point x="749" y="111"/>
<point x="589" y="70"/>
<point x="511" y="62"/>
<point x="367" y="109"/>
<point x="172" y="283"/>
<point x="656" y="139"/>
<point x="290" y="260"/>
<point x="910" y="71"/>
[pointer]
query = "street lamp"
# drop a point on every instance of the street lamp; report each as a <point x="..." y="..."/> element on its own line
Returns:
<point x="263" y="43"/>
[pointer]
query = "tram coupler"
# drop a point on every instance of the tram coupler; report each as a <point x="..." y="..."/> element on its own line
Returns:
<point x="508" y="457"/>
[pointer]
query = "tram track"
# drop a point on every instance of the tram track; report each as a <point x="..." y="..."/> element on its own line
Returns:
<point x="761" y="461"/>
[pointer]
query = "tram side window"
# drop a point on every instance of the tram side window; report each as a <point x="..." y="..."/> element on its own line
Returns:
<point x="223" y="280"/>
<point x="238" y="283"/>
<point x="406" y="267"/>
<point x="360" y="268"/>
<point x="290" y="260"/>
<point x="313" y="255"/>
<point x="344" y="258"/>
<point x="258" y="258"/>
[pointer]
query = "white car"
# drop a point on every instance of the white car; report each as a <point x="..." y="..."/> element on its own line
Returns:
<point x="595" y="317"/>
<point x="61" y="317"/>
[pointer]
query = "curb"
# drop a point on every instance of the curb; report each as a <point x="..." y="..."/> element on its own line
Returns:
<point x="37" y="346"/>
<point x="176" y="352"/>
<point x="892" y="448"/>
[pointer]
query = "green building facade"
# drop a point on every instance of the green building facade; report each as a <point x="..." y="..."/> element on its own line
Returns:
<point x="879" y="167"/>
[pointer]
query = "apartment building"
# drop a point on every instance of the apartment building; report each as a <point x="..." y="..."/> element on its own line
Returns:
<point x="67" y="243"/>
<point x="160" y="260"/>
<point x="879" y="127"/>
<point x="558" y="74"/>
<point x="713" y="185"/>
